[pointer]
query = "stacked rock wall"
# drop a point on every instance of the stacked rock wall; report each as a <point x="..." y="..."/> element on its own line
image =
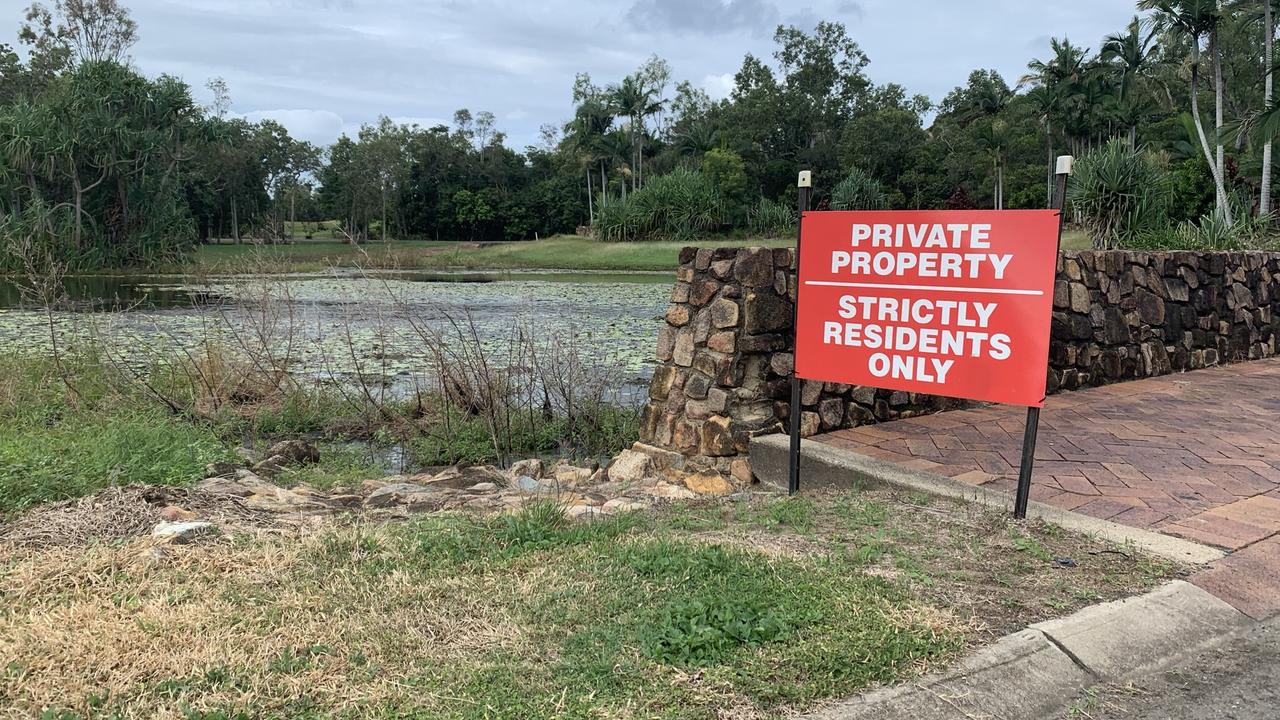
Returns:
<point x="725" y="351"/>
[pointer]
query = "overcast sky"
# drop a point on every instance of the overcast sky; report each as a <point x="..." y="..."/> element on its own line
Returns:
<point x="323" y="67"/>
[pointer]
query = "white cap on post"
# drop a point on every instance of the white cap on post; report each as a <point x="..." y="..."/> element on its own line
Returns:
<point x="805" y="180"/>
<point x="1066" y="164"/>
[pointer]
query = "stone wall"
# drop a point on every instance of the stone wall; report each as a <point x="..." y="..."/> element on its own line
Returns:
<point x="725" y="351"/>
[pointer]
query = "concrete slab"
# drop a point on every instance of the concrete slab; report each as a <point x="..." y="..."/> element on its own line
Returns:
<point x="823" y="465"/>
<point x="1126" y="638"/>
<point x="1022" y="675"/>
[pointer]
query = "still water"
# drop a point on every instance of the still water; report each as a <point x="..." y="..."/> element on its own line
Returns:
<point x="355" y="323"/>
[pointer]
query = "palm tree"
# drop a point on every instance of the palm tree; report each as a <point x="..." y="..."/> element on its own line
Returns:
<point x="994" y="136"/>
<point x="1053" y="83"/>
<point x="1269" y="34"/>
<point x="1132" y="52"/>
<point x="1044" y="101"/>
<point x="697" y="140"/>
<point x="591" y="121"/>
<point x="1195" y="19"/>
<point x="633" y="99"/>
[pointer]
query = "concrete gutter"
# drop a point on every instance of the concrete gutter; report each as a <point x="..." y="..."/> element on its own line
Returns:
<point x="826" y="466"/>
<point x="1037" y="671"/>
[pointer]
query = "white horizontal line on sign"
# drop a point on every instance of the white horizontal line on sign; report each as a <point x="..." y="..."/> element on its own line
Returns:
<point x="936" y="288"/>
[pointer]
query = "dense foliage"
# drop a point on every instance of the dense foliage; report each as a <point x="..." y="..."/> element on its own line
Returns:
<point x="103" y="166"/>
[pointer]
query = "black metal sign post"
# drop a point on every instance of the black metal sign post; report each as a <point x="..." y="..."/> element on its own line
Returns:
<point x="1033" y="413"/>
<point x="805" y="187"/>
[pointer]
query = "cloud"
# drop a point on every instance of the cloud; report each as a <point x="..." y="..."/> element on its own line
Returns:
<point x="322" y="66"/>
<point x="851" y="9"/>
<point x="718" y="86"/>
<point x="707" y="17"/>
<point x="320" y="127"/>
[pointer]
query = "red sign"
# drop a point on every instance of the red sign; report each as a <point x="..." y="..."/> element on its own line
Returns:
<point x="953" y="303"/>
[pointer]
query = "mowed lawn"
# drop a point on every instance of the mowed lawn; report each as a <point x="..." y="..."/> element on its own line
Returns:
<point x="729" y="609"/>
<point x="564" y="252"/>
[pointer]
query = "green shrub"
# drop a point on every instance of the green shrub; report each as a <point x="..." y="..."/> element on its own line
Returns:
<point x="680" y="205"/>
<point x="772" y="218"/>
<point x="1121" y="194"/>
<point x="1213" y="233"/>
<point x="859" y="191"/>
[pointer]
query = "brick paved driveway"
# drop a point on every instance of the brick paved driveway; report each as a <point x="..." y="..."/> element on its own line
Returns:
<point x="1193" y="455"/>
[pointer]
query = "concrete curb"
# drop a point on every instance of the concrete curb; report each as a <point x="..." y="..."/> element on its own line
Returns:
<point x="1037" y="671"/>
<point x="827" y="466"/>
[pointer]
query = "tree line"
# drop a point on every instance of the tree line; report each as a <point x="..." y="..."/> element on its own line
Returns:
<point x="1172" y="117"/>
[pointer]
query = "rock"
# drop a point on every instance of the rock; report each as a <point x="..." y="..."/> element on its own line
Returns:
<point x="754" y="267"/>
<point x="740" y="469"/>
<point x="180" y="533"/>
<point x="525" y="483"/>
<point x="461" y="478"/>
<point x="396" y="494"/>
<point x="630" y="467"/>
<point x="782" y="363"/>
<point x="532" y="468"/>
<point x="1079" y="298"/>
<point x="723" y="342"/>
<point x="697" y="385"/>
<point x="220" y="470"/>
<point x="717" y="440"/>
<point x="669" y="491"/>
<point x="175" y="514"/>
<point x="662" y="459"/>
<point x="666" y="343"/>
<point x="570" y="475"/>
<point x="663" y="381"/>
<point x="225" y="486"/>
<point x="703" y="292"/>
<point x="1150" y="307"/>
<point x="272" y="466"/>
<point x="682" y="355"/>
<point x="831" y="413"/>
<point x="766" y="313"/>
<point x="708" y="483"/>
<point x="484" y="487"/>
<point x="678" y="315"/>
<point x="282" y="500"/>
<point x="578" y="512"/>
<point x="724" y="314"/>
<point x="622" y="505"/>
<point x="345" y="500"/>
<point x="295" y="452"/>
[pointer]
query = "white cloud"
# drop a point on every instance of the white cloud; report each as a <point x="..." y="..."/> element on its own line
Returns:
<point x="718" y="86"/>
<point x="320" y="127"/>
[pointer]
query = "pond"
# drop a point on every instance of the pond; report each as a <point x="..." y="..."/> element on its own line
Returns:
<point x="366" y="323"/>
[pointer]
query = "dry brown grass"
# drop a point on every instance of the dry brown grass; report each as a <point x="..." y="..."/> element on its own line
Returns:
<point x="120" y="621"/>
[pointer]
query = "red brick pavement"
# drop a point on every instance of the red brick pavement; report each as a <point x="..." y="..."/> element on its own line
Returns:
<point x="1193" y="455"/>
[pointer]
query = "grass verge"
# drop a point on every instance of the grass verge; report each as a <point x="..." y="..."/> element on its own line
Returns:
<point x="740" y="610"/>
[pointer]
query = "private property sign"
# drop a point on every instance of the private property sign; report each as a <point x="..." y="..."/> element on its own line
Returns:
<point x="953" y="303"/>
